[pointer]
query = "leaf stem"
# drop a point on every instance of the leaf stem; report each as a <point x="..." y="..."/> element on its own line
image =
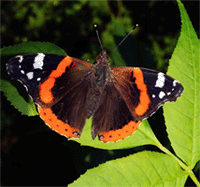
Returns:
<point x="183" y="165"/>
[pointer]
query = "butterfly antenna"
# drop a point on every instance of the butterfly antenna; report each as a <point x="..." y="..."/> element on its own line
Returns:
<point x="98" y="37"/>
<point x="125" y="37"/>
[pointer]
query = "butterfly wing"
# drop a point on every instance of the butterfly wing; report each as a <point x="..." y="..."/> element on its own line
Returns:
<point x="113" y="120"/>
<point x="46" y="76"/>
<point x="133" y="95"/>
<point x="57" y="84"/>
<point x="161" y="88"/>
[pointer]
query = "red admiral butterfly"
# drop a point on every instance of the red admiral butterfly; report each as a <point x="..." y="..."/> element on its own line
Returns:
<point x="67" y="90"/>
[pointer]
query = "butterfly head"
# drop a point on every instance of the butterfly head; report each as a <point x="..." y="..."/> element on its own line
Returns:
<point x="102" y="58"/>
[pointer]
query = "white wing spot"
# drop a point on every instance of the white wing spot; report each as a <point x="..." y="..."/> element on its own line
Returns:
<point x="22" y="71"/>
<point x="38" y="61"/>
<point x="174" y="82"/>
<point x="161" y="94"/>
<point x="29" y="75"/>
<point x="153" y="96"/>
<point x="20" y="58"/>
<point x="160" y="80"/>
<point x="168" y="93"/>
<point x="39" y="78"/>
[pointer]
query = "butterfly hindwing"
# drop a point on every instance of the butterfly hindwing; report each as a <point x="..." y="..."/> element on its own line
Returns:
<point x="113" y="120"/>
<point x="67" y="116"/>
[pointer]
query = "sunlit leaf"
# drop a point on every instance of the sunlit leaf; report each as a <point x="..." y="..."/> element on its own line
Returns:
<point x="183" y="117"/>
<point x="141" y="169"/>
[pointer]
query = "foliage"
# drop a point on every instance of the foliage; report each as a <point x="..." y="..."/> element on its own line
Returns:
<point x="146" y="168"/>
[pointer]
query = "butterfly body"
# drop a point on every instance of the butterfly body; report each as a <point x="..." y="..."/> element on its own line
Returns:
<point x="68" y="90"/>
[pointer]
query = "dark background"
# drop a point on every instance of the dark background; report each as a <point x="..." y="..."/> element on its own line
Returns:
<point x="31" y="153"/>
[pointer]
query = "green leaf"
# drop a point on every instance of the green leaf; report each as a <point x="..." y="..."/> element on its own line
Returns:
<point x="30" y="48"/>
<point x="141" y="169"/>
<point x="10" y="87"/>
<point x="183" y="117"/>
<point x="25" y="106"/>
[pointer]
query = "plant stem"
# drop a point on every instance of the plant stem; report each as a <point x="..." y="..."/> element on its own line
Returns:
<point x="183" y="165"/>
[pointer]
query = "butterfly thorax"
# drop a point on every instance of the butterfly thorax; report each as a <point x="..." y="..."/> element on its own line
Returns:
<point x="100" y="74"/>
<point x="100" y="71"/>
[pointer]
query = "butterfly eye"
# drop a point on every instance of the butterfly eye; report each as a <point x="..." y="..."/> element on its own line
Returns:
<point x="99" y="58"/>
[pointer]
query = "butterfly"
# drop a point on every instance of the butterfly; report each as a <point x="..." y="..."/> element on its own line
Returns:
<point x="67" y="90"/>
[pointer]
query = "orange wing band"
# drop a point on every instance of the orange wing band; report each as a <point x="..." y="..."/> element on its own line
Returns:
<point x="56" y="124"/>
<point x="115" y="135"/>
<point x="143" y="106"/>
<point x="45" y="88"/>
